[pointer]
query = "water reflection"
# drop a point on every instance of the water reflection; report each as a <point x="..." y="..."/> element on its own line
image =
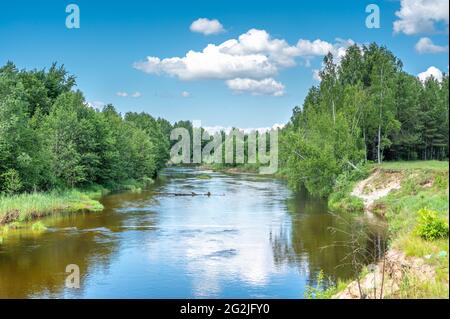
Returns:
<point x="251" y="238"/>
<point x="318" y="240"/>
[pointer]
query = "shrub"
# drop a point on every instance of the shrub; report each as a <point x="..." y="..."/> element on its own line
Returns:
<point x="324" y="288"/>
<point x="430" y="226"/>
<point x="11" y="182"/>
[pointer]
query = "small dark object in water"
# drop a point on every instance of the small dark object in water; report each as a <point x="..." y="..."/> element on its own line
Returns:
<point x="187" y="194"/>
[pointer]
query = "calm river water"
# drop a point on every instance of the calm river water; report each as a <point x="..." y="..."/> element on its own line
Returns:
<point x="252" y="238"/>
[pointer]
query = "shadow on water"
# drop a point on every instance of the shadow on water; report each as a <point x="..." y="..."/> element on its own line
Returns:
<point x="318" y="240"/>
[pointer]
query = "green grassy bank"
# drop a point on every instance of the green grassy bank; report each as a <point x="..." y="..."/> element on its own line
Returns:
<point x="15" y="209"/>
<point x="417" y="213"/>
<point x="26" y="207"/>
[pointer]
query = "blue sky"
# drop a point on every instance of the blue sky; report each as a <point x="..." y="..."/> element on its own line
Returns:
<point x="115" y="35"/>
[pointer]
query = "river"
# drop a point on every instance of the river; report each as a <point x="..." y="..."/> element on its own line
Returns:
<point x="252" y="238"/>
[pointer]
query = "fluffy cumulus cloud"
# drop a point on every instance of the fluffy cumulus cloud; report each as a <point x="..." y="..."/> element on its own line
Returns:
<point x="251" y="61"/>
<point x="256" y="87"/>
<point x="431" y="71"/>
<point x="419" y="16"/>
<point x="122" y="94"/>
<point x="206" y="26"/>
<point x="425" y="45"/>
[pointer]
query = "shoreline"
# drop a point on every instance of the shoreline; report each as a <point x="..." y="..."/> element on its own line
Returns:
<point x="411" y="267"/>
<point x="17" y="210"/>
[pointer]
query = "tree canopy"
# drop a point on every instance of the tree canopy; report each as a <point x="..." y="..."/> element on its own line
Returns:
<point x="366" y="108"/>
<point x="51" y="138"/>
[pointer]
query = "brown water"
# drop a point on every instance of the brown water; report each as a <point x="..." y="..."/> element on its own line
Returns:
<point x="253" y="238"/>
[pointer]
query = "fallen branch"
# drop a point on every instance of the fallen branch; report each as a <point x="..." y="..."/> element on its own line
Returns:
<point x="187" y="194"/>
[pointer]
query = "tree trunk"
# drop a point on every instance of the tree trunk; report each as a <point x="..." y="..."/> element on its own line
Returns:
<point x="365" y="146"/>
<point x="379" y="120"/>
<point x="334" y="113"/>
<point x="379" y="144"/>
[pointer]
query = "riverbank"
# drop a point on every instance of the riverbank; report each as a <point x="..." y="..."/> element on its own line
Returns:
<point x="241" y="169"/>
<point x="413" y="197"/>
<point x="26" y="207"/>
<point x="16" y="209"/>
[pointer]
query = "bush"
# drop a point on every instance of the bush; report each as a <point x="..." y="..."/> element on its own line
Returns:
<point x="11" y="182"/>
<point x="324" y="288"/>
<point x="430" y="226"/>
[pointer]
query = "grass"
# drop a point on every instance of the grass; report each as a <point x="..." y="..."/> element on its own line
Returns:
<point x="341" y="200"/>
<point x="20" y="208"/>
<point x="203" y="176"/>
<point x="25" y="207"/>
<point x="413" y="165"/>
<point x="38" y="227"/>
<point x="421" y="188"/>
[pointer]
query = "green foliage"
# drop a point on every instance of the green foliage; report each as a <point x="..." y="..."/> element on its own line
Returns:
<point x="38" y="227"/>
<point x="11" y="182"/>
<point x="51" y="138"/>
<point x="430" y="226"/>
<point x="323" y="289"/>
<point x="26" y="207"/>
<point x="341" y="199"/>
<point x="365" y="109"/>
<point x="203" y="176"/>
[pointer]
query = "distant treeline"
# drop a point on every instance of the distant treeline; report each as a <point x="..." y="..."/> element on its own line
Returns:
<point x="51" y="138"/>
<point x="366" y="108"/>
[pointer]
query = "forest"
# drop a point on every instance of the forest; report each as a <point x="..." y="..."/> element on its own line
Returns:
<point x="365" y="109"/>
<point x="50" y="138"/>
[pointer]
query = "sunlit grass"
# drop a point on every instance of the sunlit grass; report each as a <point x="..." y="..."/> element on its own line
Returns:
<point x="423" y="165"/>
<point x="25" y="207"/>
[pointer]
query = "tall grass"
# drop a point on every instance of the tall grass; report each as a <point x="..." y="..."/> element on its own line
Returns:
<point x="25" y="207"/>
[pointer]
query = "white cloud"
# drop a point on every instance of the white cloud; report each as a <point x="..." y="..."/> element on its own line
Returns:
<point x="425" y="45"/>
<point x="185" y="94"/>
<point x="136" y="94"/>
<point x="316" y="75"/>
<point x="419" y="16"/>
<point x="122" y="94"/>
<point x="314" y="48"/>
<point x="254" y="55"/>
<point x="431" y="71"/>
<point x="256" y="87"/>
<point x="206" y="26"/>
<point x="98" y="105"/>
